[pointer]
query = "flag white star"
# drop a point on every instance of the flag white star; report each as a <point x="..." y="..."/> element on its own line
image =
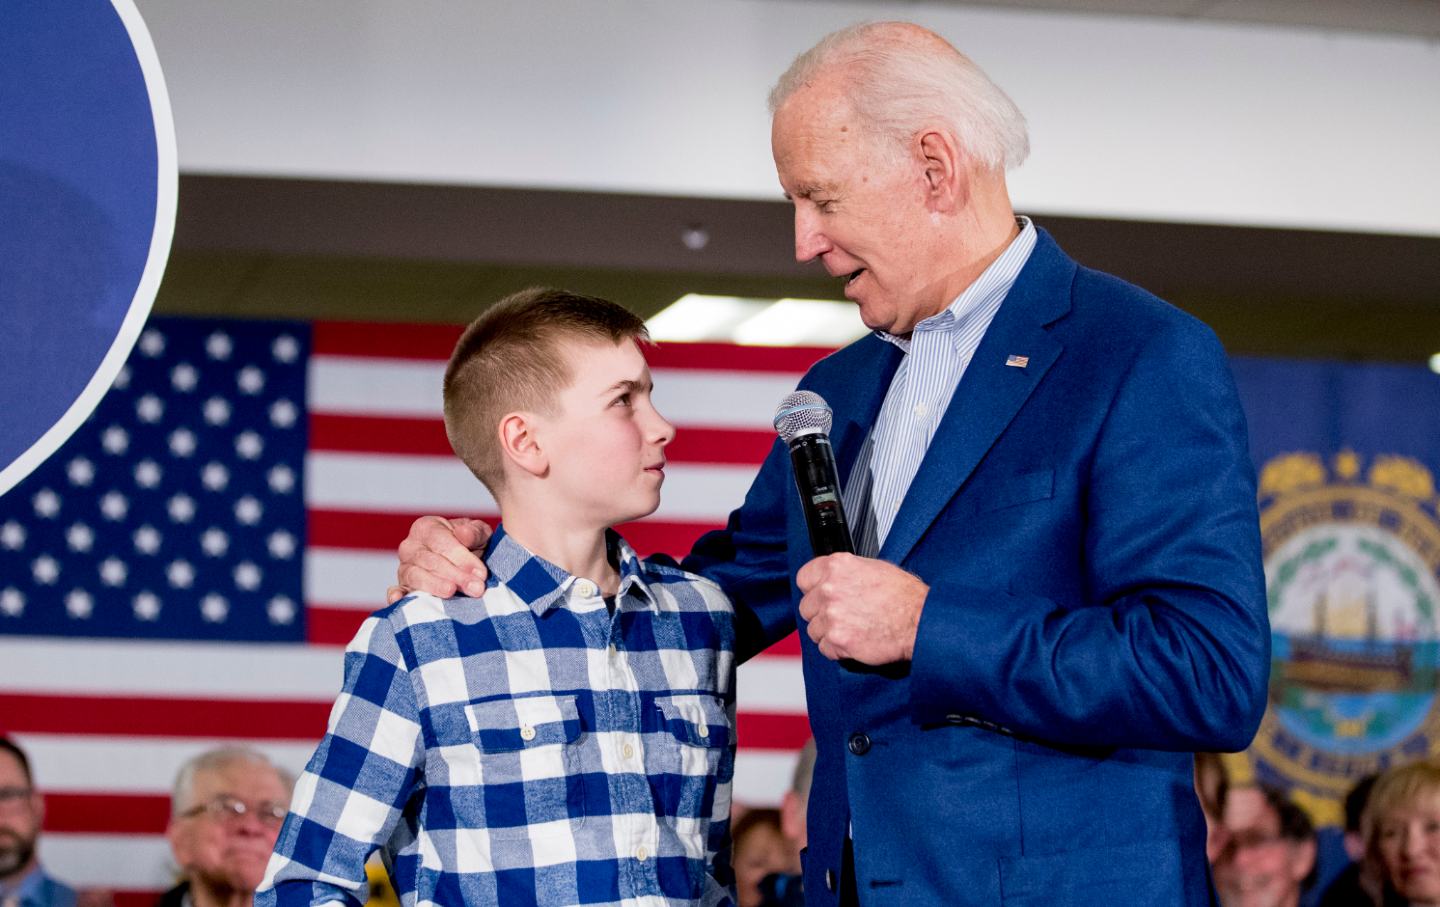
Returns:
<point x="80" y="537"/>
<point x="215" y="476"/>
<point x="46" y="502"/>
<point x="12" y="602"/>
<point x="115" y="440"/>
<point x="79" y="604"/>
<point x="184" y="377"/>
<point x="247" y="576"/>
<point x="217" y="411"/>
<point x="45" y="569"/>
<point x="281" y="544"/>
<point x="181" y="508"/>
<point x="248" y="445"/>
<point x="285" y="348"/>
<point x="150" y="409"/>
<point x="214" y="608"/>
<point x="218" y="346"/>
<point x="80" y="471"/>
<point x="283" y="414"/>
<point x="122" y="378"/>
<point x="180" y="574"/>
<point x="214" y="542"/>
<point x="281" y="478"/>
<point x="152" y="343"/>
<point x="113" y="572"/>
<point x="248" y="511"/>
<point x="280" y="610"/>
<point x="146" y="606"/>
<point x="114" y="505"/>
<point x="251" y="380"/>
<point x="147" y="473"/>
<point x="182" y="442"/>
<point x="147" y="540"/>
<point x="12" y="536"/>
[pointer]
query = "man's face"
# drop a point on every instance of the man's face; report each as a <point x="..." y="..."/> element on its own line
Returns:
<point x="1259" y="868"/>
<point x="858" y="209"/>
<point x="606" y="441"/>
<point x="21" y="810"/>
<point x="227" y="851"/>
<point x="1409" y="843"/>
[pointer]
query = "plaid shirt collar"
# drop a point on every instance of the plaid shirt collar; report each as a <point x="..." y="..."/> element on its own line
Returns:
<point x="542" y="585"/>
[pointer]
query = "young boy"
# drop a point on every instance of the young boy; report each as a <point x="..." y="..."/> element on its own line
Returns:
<point x="567" y="738"/>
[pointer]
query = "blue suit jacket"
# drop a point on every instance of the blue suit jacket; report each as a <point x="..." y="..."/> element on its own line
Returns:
<point x="1087" y="525"/>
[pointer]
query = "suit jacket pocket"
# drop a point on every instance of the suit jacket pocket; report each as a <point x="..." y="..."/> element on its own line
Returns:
<point x="1148" y="872"/>
<point x="1024" y="488"/>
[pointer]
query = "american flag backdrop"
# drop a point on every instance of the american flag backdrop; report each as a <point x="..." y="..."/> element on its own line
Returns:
<point x="184" y="571"/>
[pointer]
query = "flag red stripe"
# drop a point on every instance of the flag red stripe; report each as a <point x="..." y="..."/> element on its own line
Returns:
<point x="101" y="813"/>
<point x="368" y="530"/>
<point x="771" y="731"/>
<point x="144" y="716"/>
<point x="136" y="898"/>
<point x="426" y="437"/>
<point x="434" y="342"/>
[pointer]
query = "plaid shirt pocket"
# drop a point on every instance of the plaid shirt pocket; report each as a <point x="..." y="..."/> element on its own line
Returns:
<point x="531" y="780"/>
<point x="695" y="734"/>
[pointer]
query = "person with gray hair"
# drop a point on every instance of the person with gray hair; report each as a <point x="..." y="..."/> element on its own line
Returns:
<point x="1057" y="593"/>
<point x="226" y="810"/>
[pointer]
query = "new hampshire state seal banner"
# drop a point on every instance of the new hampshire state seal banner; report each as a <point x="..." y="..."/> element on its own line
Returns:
<point x="1348" y="458"/>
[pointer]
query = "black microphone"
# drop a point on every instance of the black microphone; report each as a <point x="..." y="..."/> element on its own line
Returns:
<point x="803" y="421"/>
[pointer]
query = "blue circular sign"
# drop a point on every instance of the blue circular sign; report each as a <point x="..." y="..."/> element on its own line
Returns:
<point x="88" y="182"/>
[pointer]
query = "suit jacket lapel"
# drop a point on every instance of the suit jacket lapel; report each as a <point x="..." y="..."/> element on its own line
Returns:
<point x="855" y="415"/>
<point x="990" y="393"/>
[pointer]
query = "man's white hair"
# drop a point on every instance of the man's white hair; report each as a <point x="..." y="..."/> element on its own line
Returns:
<point x="182" y="796"/>
<point x="902" y="79"/>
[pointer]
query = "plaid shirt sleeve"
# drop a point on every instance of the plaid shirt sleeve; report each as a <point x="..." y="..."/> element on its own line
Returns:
<point x="350" y="798"/>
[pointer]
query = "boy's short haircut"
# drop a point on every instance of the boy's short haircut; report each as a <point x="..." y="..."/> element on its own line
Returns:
<point x="510" y="359"/>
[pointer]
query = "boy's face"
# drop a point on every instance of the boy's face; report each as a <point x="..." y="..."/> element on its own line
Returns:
<point x="606" y="441"/>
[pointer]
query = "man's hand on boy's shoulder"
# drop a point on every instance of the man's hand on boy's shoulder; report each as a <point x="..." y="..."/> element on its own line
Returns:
<point x="439" y="557"/>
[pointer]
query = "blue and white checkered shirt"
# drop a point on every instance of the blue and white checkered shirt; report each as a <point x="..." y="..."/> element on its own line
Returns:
<point x="937" y="353"/>
<point x="527" y="747"/>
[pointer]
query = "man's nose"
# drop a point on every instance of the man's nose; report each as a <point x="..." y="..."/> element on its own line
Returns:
<point x="810" y="240"/>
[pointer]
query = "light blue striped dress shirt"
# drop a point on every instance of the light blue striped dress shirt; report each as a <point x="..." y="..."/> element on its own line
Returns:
<point x="937" y="353"/>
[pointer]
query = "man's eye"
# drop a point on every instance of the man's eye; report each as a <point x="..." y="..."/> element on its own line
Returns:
<point x="622" y="400"/>
<point x="826" y="205"/>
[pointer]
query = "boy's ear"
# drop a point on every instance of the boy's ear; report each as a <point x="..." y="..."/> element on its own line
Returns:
<point x="520" y="443"/>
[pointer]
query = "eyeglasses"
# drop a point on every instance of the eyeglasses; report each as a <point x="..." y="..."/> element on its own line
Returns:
<point x="230" y="810"/>
<point x="14" y="797"/>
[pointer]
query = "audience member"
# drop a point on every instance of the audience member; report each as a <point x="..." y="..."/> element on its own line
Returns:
<point x="1212" y="782"/>
<point x="760" y="850"/>
<point x="1270" y="857"/>
<point x="1401" y="825"/>
<point x="784" y="889"/>
<point x="23" y="882"/>
<point x="1359" y="884"/>
<point x="225" y="814"/>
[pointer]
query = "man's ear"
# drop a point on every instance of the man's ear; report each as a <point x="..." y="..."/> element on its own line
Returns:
<point x="1304" y="859"/>
<point x="520" y="443"/>
<point x="947" y="180"/>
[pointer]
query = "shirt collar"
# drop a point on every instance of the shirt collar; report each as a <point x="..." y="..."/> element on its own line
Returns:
<point x="541" y="584"/>
<point x="998" y="278"/>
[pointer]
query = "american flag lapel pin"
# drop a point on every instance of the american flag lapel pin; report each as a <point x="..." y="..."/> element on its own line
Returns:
<point x="1017" y="361"/>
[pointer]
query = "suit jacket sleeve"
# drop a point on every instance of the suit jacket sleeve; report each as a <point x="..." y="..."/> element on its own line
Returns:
<point x="1167" y="647"/>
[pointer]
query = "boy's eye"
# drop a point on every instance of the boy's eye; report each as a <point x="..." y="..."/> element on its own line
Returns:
<point x="622" y="400"/>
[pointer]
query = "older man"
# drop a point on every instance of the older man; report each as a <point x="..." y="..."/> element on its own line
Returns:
<point x="225" y="813"/>
<point x="1058" y="592"/>
<point x="23" y="883"/>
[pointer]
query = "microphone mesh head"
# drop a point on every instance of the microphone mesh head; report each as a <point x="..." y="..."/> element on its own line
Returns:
<point x="802" y="413"/>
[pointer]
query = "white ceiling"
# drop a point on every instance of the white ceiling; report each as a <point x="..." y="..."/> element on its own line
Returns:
<point x="1420" y="18"/>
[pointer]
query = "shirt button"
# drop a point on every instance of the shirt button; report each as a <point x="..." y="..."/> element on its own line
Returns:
<point x="612" y="650"/>
<point x="920" y="410"/>
<point x="859" y="744"/>
<point x="642" y="855"/>
<point x="703" y="730"/>
<point x="627" y="751"/>
<point x="585" y="588"/>
<point x="527" y="732"/>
